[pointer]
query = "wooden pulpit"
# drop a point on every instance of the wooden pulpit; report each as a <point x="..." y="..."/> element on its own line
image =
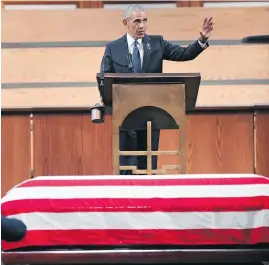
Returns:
<point x="149" y="102"/>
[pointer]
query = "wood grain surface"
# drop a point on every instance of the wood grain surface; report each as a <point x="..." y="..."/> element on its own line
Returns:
<point x="215" y="144"/>
<point x="15" y="151"/>
<point x="262" y="143"/>
<point x="82" y="64"/>
<point x="77" y="97"/>
<point x="72" y="145"/>
<point x="90" y="25"/>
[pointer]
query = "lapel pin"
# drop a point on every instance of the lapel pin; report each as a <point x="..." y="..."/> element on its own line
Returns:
<point x="148" y="46"/>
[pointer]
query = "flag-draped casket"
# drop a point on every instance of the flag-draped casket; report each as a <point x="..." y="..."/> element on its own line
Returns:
<point x="184" y="210"/>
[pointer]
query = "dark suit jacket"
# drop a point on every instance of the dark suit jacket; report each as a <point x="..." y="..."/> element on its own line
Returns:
<point x="156" y="49"/>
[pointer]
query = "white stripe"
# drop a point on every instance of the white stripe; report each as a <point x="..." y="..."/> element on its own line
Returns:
<point x="174" y="176"/>
<point x="203" y="191"/>
<point x="134" y="220"/>
<point x="110" y="177"/>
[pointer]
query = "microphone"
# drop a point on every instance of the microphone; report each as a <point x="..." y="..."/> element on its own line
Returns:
<point x="129" y="63"/>
<point x="102" y="77"/>
<point x="102" y="70"/>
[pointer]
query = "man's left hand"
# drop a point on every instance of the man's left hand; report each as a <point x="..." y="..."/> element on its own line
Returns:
<point x="207" y="29"/>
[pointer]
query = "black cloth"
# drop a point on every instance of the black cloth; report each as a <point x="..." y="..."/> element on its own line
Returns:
<point x="12" y="230"/>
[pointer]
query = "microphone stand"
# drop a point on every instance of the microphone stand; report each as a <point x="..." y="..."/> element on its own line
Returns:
<point x="102" y="70"/>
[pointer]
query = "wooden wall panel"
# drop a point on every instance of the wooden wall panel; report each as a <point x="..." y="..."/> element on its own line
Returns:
<point x="190" y="3"/>
<point x="15" y="150"/>
<point x="262" y="143"/>
<point x="215" y="144"/>
<point x="169" y="141"/>
<point x="90" y="4"/>
<point x="70" y="144"/>
<point x="220" y="143"/>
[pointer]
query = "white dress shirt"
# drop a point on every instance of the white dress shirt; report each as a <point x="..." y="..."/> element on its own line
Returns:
<point x="131" y="41"/>
<point x="203" y="45"/>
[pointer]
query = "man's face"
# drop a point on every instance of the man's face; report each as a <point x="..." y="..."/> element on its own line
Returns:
<point x="136" y="24"/>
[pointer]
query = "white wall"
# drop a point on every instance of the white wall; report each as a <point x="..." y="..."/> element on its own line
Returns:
<point x="146" y="5"/>
<point x="39" y="7"/>
<point x="236" y="4"/>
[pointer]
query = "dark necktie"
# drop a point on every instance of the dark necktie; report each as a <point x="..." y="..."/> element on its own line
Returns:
<point x="136" y="59"/>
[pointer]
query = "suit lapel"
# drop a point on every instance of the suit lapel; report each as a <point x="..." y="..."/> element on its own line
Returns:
<point x="147" y="51"/>
<point x="125" y="49"/>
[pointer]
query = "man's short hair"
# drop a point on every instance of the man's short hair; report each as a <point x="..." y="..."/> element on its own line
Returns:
<point x="128" y="11"/>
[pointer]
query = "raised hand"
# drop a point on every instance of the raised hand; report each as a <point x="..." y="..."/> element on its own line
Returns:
<point x="207" y="29"/>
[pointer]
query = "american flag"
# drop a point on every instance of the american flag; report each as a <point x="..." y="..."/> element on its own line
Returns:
<point x="202" y="209"/>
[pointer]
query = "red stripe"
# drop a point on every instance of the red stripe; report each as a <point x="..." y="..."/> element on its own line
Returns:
<point x="142" y="237"/>
<point x="145" y="182"/>
<point x="136" y="205"/>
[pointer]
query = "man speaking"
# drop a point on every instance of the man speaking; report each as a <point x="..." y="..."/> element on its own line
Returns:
<point x="147" y="54"/>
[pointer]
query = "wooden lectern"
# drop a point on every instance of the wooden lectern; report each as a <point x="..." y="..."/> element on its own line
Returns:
<point x="149" y="102"/>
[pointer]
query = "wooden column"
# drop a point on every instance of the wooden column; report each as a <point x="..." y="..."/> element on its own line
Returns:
<point x="262" y="142"/>
<point x="183" y="3"/>
<point x="196" y="3"/>
<point x="15" y="150"/>
<point x="189" y="3"/>
<point x="90" y="4"/>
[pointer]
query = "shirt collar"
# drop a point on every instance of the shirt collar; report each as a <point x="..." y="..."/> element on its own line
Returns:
<point x="131" y="40"/>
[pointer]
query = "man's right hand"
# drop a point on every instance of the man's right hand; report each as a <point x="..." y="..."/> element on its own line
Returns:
<point x="207" y="29"/>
